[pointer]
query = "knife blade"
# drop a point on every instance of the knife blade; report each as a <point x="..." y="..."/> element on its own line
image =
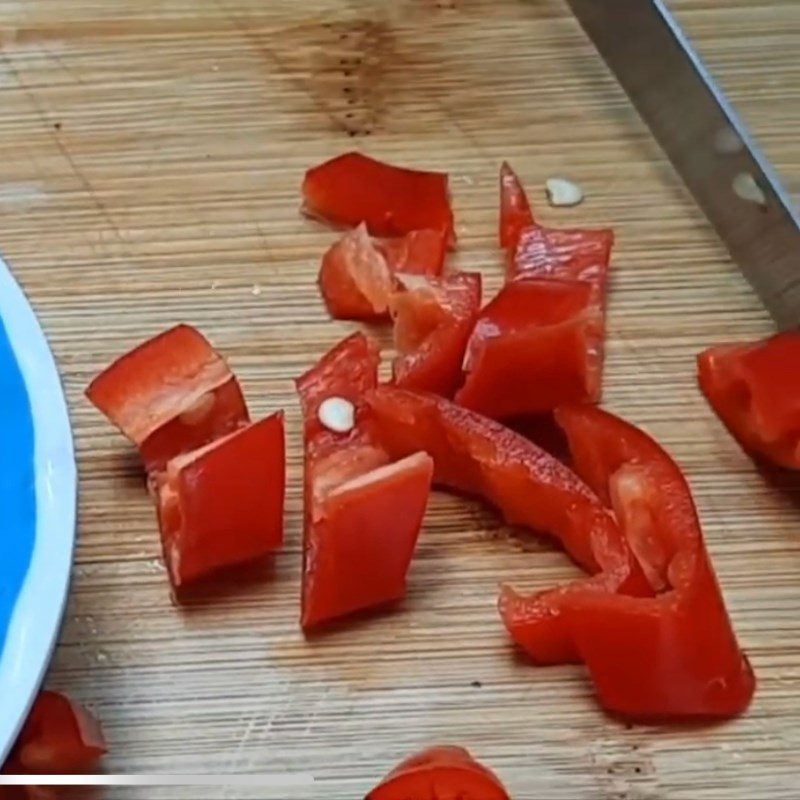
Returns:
<point x="709" y="146"/>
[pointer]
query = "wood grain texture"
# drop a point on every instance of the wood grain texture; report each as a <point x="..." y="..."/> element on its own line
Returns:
<point x="150" y="157"/>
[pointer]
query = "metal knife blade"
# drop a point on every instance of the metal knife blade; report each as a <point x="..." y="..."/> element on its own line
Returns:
<point x="708" y="145"/>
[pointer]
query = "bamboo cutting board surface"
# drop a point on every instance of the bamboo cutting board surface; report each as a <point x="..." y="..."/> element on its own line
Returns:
<point x="151" y="153"/>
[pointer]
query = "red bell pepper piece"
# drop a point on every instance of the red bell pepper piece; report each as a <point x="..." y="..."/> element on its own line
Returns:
<point x="172" y="394"/>
<point x="440" y="773"/>
<point x="417" y="253"/>
<point x="355" y="279"/>
<point x="222" y="505"/>
<point x="392" y="201"/>
<point x="515" y="210"/>
<point x="59" y="737"/>
<point x="528" y="486"/>
<point x="362" y="513"/>
<point x="673" y="655"/>
<point x="536" y="345"/>
<point x="433" y="318"/>
<point x="754" y="388"/>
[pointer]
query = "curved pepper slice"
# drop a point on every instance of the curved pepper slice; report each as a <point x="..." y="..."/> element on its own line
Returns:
<point x="515" y="210"/>
<point x="354" y="278"/>
<point x="433" y="318"/>
<point x="439" y="773"/>
<point x="536" y="345"/>
<point x="417" y="253"/>
<point x="528" y="486"/>
<point x="59" y="737"/>
<point x="392" y="201"/>
<point x="754" y="388"/>
<point x="670" y="656"/>
<point x="171" y="394"/>
<point x="222" y="505"/>
<point x="362" y="513"/>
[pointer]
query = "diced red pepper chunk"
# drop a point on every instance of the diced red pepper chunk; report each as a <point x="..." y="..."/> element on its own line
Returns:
<point x="59" y="737"/>
<point x="171" y="394"/>
<point x="222" y="505"/>
<point x="433" y="318"/>
<point x="536" y="345"/>
<point x="440" y="773"/>
<point x="515" y="210"/>
<point x="355" y="279"/>
<point x="417" y="253"/>
<point x="392" y="201"/>
<point x="754" y="388"/>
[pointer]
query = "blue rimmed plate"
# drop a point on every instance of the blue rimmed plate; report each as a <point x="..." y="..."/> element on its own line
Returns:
<point x="38" y="485"/>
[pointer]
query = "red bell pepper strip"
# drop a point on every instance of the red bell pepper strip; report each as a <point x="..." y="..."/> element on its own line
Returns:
<point x="670" y="656"/>
<point x="362" y="513"/>
<point x="536" y="345"/>
<point x="222" y="505"/>
<point x="355" y="279"/>
<point x="59" y="737"/>
<point x="172" y="394"/>
<point x="417" y="253"/>
<point x="528" y="486"/>
<point x="440" y="773"/>
<point x="754" y="388"/>
<point x="433" y="318"/>
<point x="515" y="210"/>
<point x="392" y="201"/>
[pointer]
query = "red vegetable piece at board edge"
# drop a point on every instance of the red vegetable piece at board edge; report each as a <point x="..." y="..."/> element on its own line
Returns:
<point x="417" y="253"/>
<point x="222" y="505"/>
<point x="536" y="345"/>
<point x="171" y="394"/>
<point x="392" y="201"/>
<point x="515" y="210"/>
<point x="59" y="737"/>
<point x="476" y="455"/>
<point x="438" y="773"/>
<point x="355" y="279"/>
<point x="671" y="656"/>
<point x="362" y="514"/>
<point x="433" y="318"/>
<point x="754" y="388"/>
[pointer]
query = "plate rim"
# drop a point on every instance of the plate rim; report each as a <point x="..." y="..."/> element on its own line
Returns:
<point x="34" y="625"/>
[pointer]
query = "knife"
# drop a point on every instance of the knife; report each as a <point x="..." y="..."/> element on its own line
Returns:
<point x="732" y="182"/>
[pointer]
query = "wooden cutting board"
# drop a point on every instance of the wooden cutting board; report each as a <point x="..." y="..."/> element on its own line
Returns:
<point x="151" y="153"/>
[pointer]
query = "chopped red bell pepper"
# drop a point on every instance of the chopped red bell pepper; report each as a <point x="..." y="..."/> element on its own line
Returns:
<point x="670" y="656"/>
<point x="392" y="201"/>
<point x="536" y="345"/>
<point x="355" y="279"/>
<point x="362" y="513"/>
<point x="754" y="388"/>
<point x="440" y="773"/>
<point x="417" y="253"/>
<point x="433" y="318"/>
<point x="59" y="737"/>
<point x="528" y="486"/>
<point x="171" y="394"/>
<point x="222" y="505"/>
<point x="515" y="210"/>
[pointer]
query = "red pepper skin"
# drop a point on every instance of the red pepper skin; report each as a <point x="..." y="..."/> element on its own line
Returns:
<point x="439" y="773"/>
<point x="754" y="388"/>
<point x="59" y="737"/>
<point x="417" y="253"/>
<point x="665" y="657"/>
<point x="222" y="505"/>
<point x="515" y="210"/>
<point x="171" y="394"/>
<point x="354" y="279"/>
<point x="362" y="513"/>
<point x="392" y="201"/>
<point x="529" y="487"/>
<point x="537" y="345"/>
<point x="433" y="318"/>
